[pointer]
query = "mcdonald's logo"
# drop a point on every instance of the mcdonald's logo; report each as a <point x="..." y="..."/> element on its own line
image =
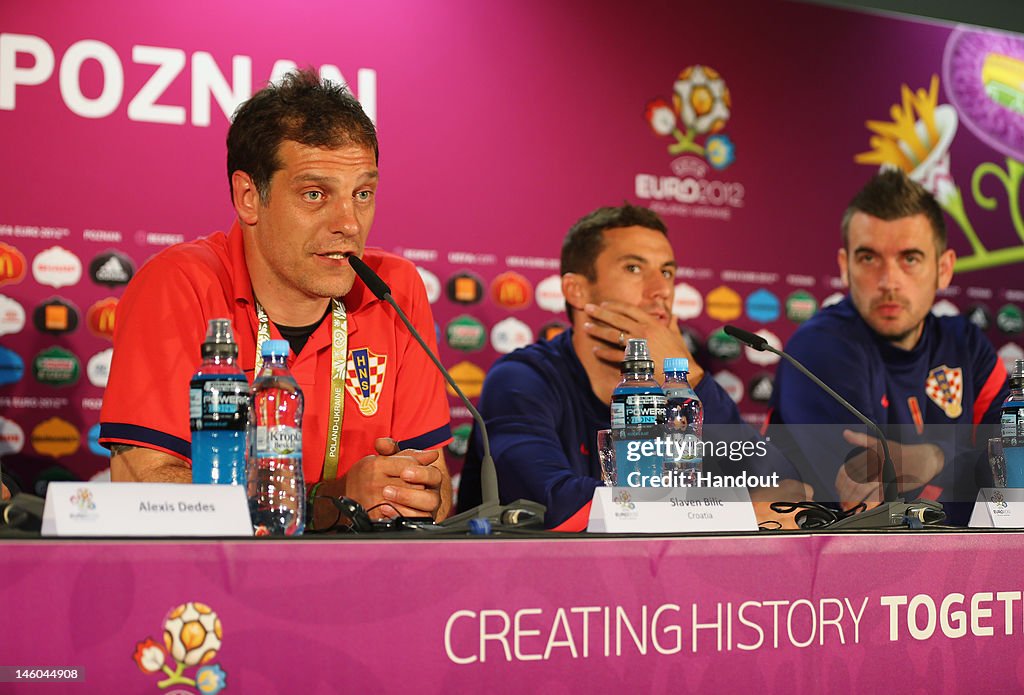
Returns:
<point x="101" y="317"/>
<point x="12" y="265"/>
<point x="512" y="291"/>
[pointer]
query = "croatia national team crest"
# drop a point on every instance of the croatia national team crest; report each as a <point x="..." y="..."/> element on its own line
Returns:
<point x="364" y="378"/>
<point x="945" y="386"/>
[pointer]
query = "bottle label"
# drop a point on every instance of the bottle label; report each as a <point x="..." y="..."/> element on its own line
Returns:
<point x="1012" y="426"/>
<point x="218" y="405"/>
<point x="279" y="440"/>
<point x="618" y="415"/>
<point x="644" y="409"/>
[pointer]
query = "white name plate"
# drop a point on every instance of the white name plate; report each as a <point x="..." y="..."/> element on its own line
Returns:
<point x="145" y="510"/>
<point x="998" y="507"/>
<point x="671" y="510"/>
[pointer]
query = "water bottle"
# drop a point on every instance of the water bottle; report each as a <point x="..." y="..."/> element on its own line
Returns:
<point x="219" y="410"/>
<point x="684" y="423"/>
<point x="1012" y="422"/>
<point x="276" y="488"/>
<point x="638" y="416"/>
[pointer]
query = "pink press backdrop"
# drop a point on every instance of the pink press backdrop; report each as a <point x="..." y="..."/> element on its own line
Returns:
<point x="500" y="125"/>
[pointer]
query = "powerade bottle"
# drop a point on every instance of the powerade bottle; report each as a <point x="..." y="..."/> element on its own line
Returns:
<point x="276" y="488"/>
<point x="638" y="416"/>
<point x="684" y="423"/>
<point x="1012" y="421"/>
<point x="219" y="410"/>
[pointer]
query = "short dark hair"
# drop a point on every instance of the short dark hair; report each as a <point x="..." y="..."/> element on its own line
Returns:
<point x="299" y="107"/>
<point x="585" y="239"/>
<point x="892" y="195"/>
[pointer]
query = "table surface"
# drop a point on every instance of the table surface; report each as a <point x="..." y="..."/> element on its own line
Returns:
<point x="853" y="612"/>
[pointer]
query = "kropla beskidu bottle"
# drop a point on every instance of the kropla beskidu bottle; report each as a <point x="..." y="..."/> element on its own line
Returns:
<point x="276" y="488"/>
<point x="684" y="424"/>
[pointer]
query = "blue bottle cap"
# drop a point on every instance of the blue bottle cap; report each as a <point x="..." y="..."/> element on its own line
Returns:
<point x="676" y="364"/>
<point x="480" y="527"/>
<point x="275" y="347"/>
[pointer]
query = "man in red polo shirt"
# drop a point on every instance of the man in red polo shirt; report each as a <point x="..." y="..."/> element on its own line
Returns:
<point x="302" y="165"/>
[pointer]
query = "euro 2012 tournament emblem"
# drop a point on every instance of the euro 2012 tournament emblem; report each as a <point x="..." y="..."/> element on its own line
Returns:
<point x="624" y="500"/>
<point x="700" y="107"/>
<point x="192" y="637"/>
<point x="998" y="500"/>
<point x="83" y="500"/>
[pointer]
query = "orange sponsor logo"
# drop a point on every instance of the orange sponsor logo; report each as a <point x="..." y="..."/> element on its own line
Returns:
<point x="469" y="377"/>
<point x="55" y="437"/>
<point x="55" y="317"/>
<point x="465" y="289"/>
<point x="723" y="304"/>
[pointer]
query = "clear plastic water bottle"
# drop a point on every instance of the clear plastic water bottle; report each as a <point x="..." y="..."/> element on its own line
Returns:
<point x="276" y="489"/>
<point x="638" y="416"/>
<point x="1012" y="425"/>
<point x="684" y="424"/>
<point x="219" y="410"/>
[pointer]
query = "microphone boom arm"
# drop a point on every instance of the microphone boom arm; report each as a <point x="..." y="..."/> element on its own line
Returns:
<point x="488" y="480"/>
<point x="890" y="489"/>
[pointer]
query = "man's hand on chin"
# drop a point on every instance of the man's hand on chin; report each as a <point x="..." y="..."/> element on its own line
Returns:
<point x="610" y="321"/>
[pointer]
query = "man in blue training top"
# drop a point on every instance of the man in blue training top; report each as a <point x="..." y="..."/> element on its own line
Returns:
<point x="932" y="383"/>
<point x="544" y="404"/>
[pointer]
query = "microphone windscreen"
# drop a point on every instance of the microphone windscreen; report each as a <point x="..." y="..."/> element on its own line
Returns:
<point x="752" y="339"/>
<point x="369" y="278"/>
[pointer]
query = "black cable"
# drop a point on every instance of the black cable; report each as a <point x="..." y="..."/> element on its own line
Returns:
<point x="814" y="515"/>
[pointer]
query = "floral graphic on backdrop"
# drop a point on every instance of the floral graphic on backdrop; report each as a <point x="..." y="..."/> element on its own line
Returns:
<point x="918" y="138"/>
<point x="700" y="108"/>
<point x="192" y="636"/>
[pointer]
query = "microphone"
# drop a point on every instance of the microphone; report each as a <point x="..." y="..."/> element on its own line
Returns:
<point x="490" y="508"/>
<point x="893" y="511"/>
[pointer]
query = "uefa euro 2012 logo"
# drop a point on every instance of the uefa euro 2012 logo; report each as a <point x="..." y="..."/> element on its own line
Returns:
<point x="624" y="500"/>
<point x="192" y="636"/>
<point x="83" y="500"/>
<point x="700" y="107"/>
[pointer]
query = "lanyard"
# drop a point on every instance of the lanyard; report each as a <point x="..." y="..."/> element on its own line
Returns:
<point x="339" y="360"/>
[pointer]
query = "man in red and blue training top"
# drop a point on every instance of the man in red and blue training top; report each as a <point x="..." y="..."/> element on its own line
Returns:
<point x="934" y="384"/>
<point x="544" y="404"/>
<point x="302" y="168"/>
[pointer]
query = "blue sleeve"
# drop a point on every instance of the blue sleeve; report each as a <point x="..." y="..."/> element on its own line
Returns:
<point x="523" y="412"/>
<point x="991" y="382"/>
